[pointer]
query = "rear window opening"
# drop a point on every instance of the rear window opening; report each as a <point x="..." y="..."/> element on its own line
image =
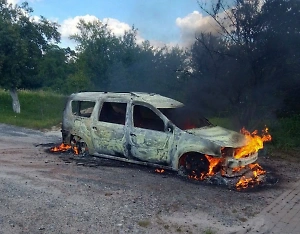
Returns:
<point x="83" y="108"/>
<point x="113" y="112"/>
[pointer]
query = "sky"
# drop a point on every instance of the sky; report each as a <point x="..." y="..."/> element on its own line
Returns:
<point x="162" y="22"/>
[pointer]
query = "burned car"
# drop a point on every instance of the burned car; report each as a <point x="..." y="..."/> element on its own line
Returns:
<point x="150" y="129"/>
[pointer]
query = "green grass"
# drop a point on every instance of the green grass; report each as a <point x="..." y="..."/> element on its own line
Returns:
<point x="39" y="109"/>
<point x="286" y="132"/>
<point x="144" y="223"/>
<point x="209" y="231"/>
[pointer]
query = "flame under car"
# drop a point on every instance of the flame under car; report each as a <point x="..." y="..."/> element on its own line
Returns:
<point x="151" y="129"/>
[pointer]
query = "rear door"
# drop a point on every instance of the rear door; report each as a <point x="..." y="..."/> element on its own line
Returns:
<point x="108" y="128"/>
<point x="82" y="111"/>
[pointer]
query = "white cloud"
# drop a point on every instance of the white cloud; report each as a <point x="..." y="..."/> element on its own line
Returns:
<point x="68" y="27"/>
<point x="117" y="27"/>
<point x="193" y="24"/>
<point x="13" y="1"/>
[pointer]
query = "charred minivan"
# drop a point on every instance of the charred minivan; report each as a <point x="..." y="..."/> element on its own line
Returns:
<point x="150" y="129"/>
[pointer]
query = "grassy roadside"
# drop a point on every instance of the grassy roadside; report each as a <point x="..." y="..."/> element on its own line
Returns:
<point x="39" y="109"/>
<point x="42" y="110"/>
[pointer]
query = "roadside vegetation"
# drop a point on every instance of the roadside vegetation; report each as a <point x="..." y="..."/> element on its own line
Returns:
<point x="44" y="109"/>
<point x="41" y="110"/>
<point x="244" y="74"/>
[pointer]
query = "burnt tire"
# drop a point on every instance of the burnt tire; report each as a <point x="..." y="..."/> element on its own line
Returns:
<point x="196" y="165"/>
<point x="79" y="147"/>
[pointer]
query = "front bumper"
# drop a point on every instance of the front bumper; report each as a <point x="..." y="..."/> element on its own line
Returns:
<point x="233" y="162"/>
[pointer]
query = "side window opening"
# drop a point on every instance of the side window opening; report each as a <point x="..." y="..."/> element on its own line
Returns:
<point x="113" y="112"/>
<point x="144" y="117"/>
<point x="83" y="108"/>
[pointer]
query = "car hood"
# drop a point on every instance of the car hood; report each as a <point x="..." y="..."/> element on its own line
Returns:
<point x="220" y="136"/>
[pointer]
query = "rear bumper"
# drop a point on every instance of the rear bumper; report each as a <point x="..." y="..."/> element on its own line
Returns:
<point x="233" y="162"/>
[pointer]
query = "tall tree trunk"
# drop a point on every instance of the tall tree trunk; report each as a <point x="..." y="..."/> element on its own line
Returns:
<point x="15" y="101"/>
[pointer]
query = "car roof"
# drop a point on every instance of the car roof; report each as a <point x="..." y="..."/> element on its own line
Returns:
<point x="156" y="100"/>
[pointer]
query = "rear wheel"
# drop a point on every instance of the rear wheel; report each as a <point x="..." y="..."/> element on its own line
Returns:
<point x="79" y="147"/>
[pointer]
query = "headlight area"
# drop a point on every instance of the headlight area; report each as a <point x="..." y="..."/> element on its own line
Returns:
<point x="232" y="162"/>
<point x="232" y="166"/>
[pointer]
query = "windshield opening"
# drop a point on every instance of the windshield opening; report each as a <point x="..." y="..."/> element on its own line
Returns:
<point x="185" y="118"/>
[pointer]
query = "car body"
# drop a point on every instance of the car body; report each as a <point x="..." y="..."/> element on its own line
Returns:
<point x="149" y="129"/>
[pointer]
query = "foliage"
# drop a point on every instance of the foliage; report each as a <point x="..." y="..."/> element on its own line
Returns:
<point x="114" y="63"/>
<point x="286" y="132"/>
<point x="22" y="42"/>
<point x="245" y="75"/>
<point x="250" y="67"/>
<point x="98" y="48"/>
<point x="54" y="68"/>
<point x="41" y="109"/>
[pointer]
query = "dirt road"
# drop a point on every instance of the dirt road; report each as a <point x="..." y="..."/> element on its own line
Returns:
<point x="42" y="192"/>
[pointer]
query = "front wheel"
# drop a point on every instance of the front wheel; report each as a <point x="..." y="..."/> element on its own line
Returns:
<point x="194" y="165"/>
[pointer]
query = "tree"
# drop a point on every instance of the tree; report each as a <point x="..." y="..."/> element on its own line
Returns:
<point x="248" y="62"/>
<point x="22" y="42"/>
<point x="54" y="68"/>
<point x="280" y="40"/>
<point x="98" y="50"/>
<point x="121" y="64"/>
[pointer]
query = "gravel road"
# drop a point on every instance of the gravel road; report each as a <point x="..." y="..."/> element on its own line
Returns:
<point x="43" y="192"/>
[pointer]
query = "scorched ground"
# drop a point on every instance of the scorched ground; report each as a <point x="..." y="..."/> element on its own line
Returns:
<point x="50" y="193"/>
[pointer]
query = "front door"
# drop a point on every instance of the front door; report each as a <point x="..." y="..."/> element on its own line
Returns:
<point x="149" y="141"/>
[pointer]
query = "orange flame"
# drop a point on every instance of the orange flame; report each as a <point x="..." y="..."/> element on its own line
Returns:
<point x="195" y="177"/>
<point x="254" y="142"/>
<point x="75" y="150"/>
<point x="253" y="171"/>
<point x="213" y="163"/>
<point x="246" y="182"/>
<point x="159" y="170"/>
<point x="61" y="148"/>
<point x="64" y="147"/>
